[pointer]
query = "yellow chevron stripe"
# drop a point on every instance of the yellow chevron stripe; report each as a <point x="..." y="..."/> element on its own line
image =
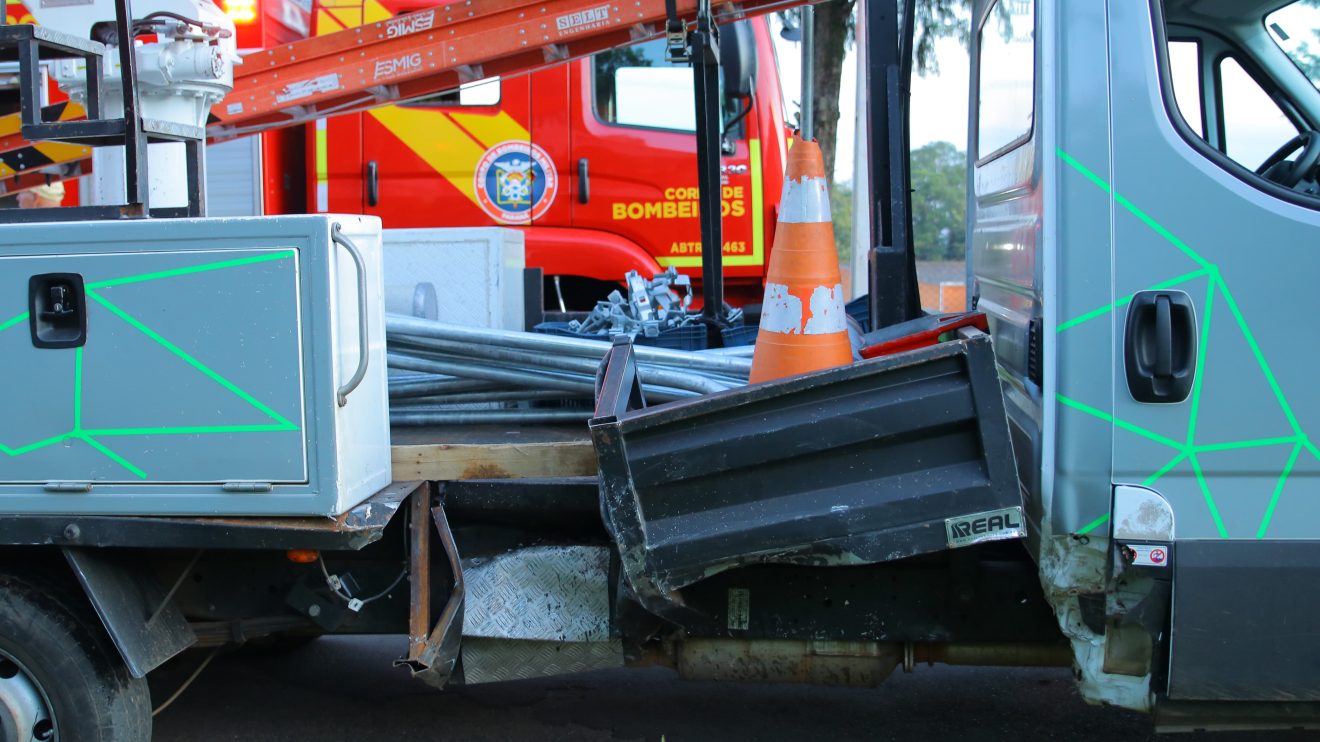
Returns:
<point x="491" y="130"/>
<point x="349" y="15"/>
<point x="437" y="140"/>
<point x="9" y="125"/>
<point x="63" y="151"/>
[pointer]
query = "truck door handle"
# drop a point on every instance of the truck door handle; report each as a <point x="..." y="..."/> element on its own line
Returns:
<point x="1160" y="346"/>
<point x="373" y="189"/>
<point x="584" y="184"/>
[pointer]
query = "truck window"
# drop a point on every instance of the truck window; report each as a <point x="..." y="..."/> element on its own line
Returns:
<point x="636" y="86"/>
<point x="1007" y="77"/>
<point x="480" y="93"/>
<point x="1254" y="125"/>
<point x="1296" y="29"/>
<point x="1185" y="68"/>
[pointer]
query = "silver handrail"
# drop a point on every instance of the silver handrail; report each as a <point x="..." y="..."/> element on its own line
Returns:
<point x="342" y="240"/>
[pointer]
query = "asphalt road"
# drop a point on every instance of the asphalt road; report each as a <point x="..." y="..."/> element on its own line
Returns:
<point x="341" y="689"/>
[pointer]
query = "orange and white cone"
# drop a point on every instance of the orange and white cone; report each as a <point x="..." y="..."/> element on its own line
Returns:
<point x="803" y="324"/>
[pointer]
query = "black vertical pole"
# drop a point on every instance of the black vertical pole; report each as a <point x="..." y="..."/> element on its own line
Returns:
<point x="137" y="184"/>
<point x="704" y="42"/>
<point x="893" y="268"/>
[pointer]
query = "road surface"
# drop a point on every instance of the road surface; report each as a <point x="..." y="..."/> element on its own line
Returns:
<point x="344" y="688"/>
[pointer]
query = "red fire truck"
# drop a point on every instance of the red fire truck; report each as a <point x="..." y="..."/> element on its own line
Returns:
<point x="595" y="159"/>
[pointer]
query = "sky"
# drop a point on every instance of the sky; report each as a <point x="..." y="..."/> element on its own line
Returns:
<point x="939" y="101"/>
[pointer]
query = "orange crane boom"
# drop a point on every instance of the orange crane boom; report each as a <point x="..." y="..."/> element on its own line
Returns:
<point x="415" y="55"/>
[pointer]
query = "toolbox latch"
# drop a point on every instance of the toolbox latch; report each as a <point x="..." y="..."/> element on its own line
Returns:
<point x="246" y="486"/>
<point x="57" y="310"/>
<point x="67" y="486"/>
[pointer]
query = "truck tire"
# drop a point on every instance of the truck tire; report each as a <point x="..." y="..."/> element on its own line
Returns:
<point x="55" y="656"/>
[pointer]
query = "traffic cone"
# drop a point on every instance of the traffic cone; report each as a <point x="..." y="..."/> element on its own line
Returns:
<point x="803" y="324"/>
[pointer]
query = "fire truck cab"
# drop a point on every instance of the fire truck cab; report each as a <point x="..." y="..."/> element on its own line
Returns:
<point x="573" y="154"/>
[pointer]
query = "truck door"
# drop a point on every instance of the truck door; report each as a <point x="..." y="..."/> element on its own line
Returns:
<point x="464" y="158"/>
<point x="633" y="150"/>
<point x="1215" y="262"/>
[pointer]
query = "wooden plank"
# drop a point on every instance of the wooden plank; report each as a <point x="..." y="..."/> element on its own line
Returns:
<point x="455" y="461"/>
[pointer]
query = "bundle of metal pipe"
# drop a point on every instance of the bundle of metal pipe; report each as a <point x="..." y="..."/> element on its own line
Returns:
<point x="439" y="371"/>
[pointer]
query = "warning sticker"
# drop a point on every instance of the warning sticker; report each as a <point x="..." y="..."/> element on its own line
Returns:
<point x="304" y="88"/>
<point x="740" y="608"/>
<point x="1149" y="556"/>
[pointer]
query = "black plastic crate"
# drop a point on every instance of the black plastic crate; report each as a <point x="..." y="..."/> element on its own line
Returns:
<point x="739" y="335"/>
<point x="860" y="311"/>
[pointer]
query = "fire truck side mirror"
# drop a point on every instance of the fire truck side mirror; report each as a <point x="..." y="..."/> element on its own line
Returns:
<point x="738" y="58"/>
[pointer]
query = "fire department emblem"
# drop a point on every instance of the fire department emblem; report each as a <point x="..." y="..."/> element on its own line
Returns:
<point x="515" y="182"/>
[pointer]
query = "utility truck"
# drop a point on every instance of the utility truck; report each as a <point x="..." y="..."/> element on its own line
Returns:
<point x="1114" y="478"/>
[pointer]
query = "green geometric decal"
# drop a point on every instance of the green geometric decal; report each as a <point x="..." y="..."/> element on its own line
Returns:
<point x="1190" y="449"/>
<point x="91" y="436"/>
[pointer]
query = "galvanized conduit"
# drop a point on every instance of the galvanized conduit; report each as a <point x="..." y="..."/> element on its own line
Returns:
<point x="576" y="384"/>
<point x="397" y="325"/>
<point x="406" y="417"/>
<point x="412" y="384"/>
<point x="430" y="385"/>
<point x="522" y="359"/>
<point x="694" y="378"/>
<point x="504" y="395"/>
<point x="741" y="351"/>
<point x="490" y="373"/>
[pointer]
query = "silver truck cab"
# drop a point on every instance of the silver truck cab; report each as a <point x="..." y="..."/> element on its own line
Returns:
<point x="1143" y="232"/>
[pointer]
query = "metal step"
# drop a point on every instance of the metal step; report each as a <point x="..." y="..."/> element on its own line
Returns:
<point x="539" y="611"/>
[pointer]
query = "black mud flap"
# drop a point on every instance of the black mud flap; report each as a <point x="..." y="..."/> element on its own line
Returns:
<point x="1243" y="626"/>
<point x="879" y="460"/>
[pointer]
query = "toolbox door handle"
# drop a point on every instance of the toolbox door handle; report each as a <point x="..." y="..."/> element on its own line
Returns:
<point x="342" y="240"/>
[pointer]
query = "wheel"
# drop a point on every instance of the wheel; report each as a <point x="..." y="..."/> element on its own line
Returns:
<point x="60" y="677"/>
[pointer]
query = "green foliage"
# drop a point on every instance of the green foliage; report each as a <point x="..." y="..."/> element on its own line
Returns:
<point x="939" y="205"/>
<point x="841" y="213"/>
<point x="1304" y="51"/>
<point x="939" y="19"/>
<point x="939" y="201"/>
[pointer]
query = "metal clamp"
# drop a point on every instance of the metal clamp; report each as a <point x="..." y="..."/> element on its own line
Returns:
<point x="342" y="240"/>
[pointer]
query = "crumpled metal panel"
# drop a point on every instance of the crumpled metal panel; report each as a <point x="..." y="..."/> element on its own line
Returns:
<point x="495" y="660"/>
<point x="547" y="593"/>
<point x="859" y="464"/>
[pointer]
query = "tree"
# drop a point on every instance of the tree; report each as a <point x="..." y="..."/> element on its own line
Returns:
<point x="1299" y="47"/>
<point x="939" y="180"/>
<point x="833" y="35"/>
<point x="834" y="28"/>
<point x="841" y="214"/>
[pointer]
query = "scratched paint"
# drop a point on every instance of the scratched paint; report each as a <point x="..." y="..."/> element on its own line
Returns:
<point x="805" y="201"/>
<point x="781" y="311"/>
<point x="827" y="313"/>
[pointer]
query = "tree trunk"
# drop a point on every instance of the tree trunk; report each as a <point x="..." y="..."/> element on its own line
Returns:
<point x="832" y="24"/>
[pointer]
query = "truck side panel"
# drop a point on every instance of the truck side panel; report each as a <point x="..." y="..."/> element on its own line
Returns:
<point x="1077" y="270"/>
